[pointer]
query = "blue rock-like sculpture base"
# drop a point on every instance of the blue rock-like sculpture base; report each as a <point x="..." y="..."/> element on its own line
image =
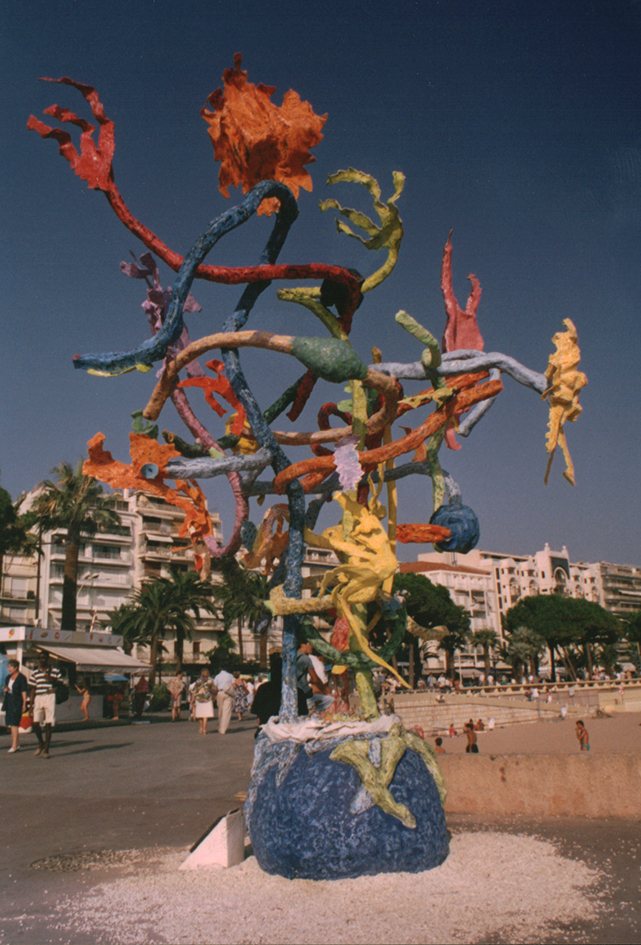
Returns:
<point x="303" y="827"/>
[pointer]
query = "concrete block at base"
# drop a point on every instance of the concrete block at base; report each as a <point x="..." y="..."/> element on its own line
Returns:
<point x="222" y="846"/>
<point x="581" y="785"/>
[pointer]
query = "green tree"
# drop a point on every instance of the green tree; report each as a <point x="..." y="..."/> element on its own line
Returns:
<point x="119" y="622"/>
<point x="522" y="650"/>
<point x="74" y="502"/>
<point x="15" y="536"/>
<point x="222" y="656"/>
<point x="595" y="630"/>
<point x="632" y="628"/>
<point x="161" y="606"/>
<point x="486" y="639"/>
<point x="632" y="633"/>
<point x="192" y="594"/>
<point x="573" y="627"/>
<point x="431" y="606"/>
<point x="241" y="599"/>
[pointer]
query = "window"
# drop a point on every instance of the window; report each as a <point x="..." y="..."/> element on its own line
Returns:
<point x="18" y="587"/>
<point x="560" y="582"/>
<point x="106" y="551"/>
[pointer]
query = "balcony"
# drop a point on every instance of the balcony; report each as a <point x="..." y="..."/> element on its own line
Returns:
<point x="18" y="595"/>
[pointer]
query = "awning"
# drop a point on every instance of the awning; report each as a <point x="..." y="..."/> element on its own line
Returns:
<point x="96" y="658"/>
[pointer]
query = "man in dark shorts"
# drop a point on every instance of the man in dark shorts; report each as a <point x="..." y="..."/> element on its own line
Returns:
<point x="472" y="747"/>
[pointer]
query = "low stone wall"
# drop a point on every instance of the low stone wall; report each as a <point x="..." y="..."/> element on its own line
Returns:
<point x="581" y="785"/>
<point x="422" y="708"/>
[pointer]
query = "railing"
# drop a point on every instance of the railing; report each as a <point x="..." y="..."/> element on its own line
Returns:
<point x="511" y="689"/>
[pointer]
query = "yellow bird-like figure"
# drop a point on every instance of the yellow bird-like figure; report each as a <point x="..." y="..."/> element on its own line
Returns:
<point x="565" y="383"/>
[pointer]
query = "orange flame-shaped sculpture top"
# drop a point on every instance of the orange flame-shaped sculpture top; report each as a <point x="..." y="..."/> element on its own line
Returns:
<point x="256" y="140"/>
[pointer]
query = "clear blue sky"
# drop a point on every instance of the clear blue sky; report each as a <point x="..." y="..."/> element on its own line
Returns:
<point x="519" y="126"/>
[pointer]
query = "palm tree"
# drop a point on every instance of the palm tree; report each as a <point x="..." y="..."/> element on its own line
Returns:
<point x="455" y="639"/>
<point x="160" y="606"/>
<point x="523" y="649"/>
<point x="486" y="639"/>
<point x="193" y="594"/>
<point x="74" y="502"/>
<point x="241" y="598"/>
<point x="15" y="537"/>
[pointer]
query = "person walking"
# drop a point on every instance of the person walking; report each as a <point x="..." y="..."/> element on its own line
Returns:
<point x="224" y="684"/>
<point x="204" y="692"/>
<point x="15" y="701"/>
<point x="141" y="691"/>
<point x="176" y="688"/>
<point x="241" y="701"/>
<point x="118" y="696"/>
<point x="472" y="747"/>
<point x="307" y="680"/>
<point x="43" y="702"/>
<point x="83" y="689"/>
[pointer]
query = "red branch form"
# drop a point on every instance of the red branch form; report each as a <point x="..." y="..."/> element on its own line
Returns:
<point x="323" y="465"/>
<point x="422" y="533"/>
<point x="461" y="329"/>
<point x="94" y="164"/>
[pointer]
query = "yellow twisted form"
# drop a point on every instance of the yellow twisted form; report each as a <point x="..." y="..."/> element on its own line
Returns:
<point x="565" y="383"/>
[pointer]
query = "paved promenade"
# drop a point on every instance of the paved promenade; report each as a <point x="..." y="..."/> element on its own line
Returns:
<point x="160" y="785"/>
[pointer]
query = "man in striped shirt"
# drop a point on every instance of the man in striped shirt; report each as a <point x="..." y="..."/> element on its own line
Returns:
<point x="43" y="702"/>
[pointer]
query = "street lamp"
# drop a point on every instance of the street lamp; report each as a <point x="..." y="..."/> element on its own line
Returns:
<point x="85" y="580"/>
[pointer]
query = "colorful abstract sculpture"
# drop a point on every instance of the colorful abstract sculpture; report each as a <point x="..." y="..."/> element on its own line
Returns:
<point x="353" y="792"/>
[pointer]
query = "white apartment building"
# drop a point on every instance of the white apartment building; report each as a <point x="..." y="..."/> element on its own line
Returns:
<point x="488" y="583"/>
<point x="112" y="565"/>
<point x="620" y="588"/>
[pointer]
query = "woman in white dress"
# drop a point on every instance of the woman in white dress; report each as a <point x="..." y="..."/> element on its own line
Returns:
<point x="204" y="700"/>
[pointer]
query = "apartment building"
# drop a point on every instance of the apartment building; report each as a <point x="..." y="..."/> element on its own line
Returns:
<point x="112" y="565"/>
<point x="489" y="583"/>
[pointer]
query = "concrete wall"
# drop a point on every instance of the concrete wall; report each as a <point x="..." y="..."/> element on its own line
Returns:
<point x="422" y="708"/>
<point x="581" y="785"/>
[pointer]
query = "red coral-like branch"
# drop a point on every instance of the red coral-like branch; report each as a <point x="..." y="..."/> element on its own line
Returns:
<point x="461" y="329"/>
<point x="219" y="385"/>
<point x="94" y="163"/>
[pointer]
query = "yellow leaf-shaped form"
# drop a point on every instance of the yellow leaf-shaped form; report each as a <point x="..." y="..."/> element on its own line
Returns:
<point x="370" y="563"/>
<point x="565" y="383"/>
<point x="386" y="236"/>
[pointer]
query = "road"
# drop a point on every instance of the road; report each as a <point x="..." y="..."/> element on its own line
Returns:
<point x="123" y="787"/>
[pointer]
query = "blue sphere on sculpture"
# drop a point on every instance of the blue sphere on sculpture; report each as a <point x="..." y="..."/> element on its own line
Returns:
<point x="463" y="524"/>
<point x="303" y="827"/>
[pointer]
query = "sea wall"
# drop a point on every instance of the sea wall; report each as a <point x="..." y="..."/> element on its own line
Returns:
<point x="559" y="785"/>
<point x="509" y="706"/>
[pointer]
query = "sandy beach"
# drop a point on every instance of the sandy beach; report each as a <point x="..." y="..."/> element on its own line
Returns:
<point x="621" y="733"/>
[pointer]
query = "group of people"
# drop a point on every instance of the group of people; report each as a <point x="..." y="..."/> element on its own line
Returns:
<point x="230" y="692"/>
<point x="36" y="696"/>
